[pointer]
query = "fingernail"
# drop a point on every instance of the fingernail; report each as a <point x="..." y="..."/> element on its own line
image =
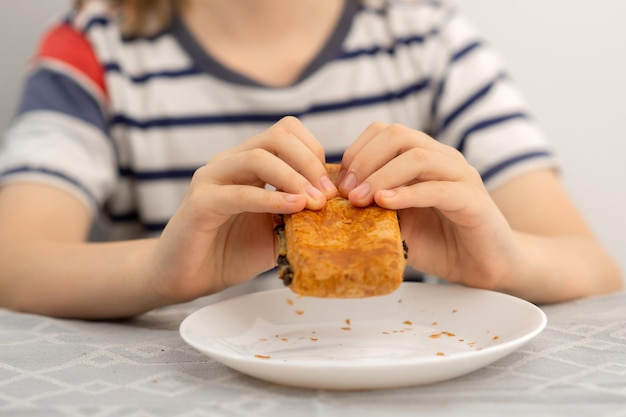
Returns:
<point x="313" y="192"/>
<point x="361" y="191"/>
<point x="327" y="184"/>
<point x="349" y="182"/>
<point x="291" y="198"/>
<point x="342" y="173"/>
<point x="387" y="193"/>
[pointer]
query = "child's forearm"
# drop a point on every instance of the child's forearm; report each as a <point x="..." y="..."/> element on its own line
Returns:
<point x="563" y="268"/>
<point x="86" y="280"/>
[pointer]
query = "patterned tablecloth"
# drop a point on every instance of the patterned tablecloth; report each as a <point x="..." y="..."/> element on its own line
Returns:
<point x="142" y="368"/>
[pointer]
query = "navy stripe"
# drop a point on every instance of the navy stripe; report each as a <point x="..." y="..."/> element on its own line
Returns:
<point x="466" y="50"/>
<point x="374" y="50"/>
<point x="469" y="102"/>
<point x="121" y="119"/>
<point x="484" y="124"/>
<point x="96" y="21"/>
<point x="146" y="38"/>
<point x="345" y="55"/>
<point x="139" y="79"/>
<point x="27" y="169"/>
<point x="47" y="90"/>
<point x="132" y="216"/>
<point x="486" y="175"/>
<point x="154" y="227"/>
<point x="170" y="174"/>
<point x="104" y="21"/>
<point x="334" y="158"/>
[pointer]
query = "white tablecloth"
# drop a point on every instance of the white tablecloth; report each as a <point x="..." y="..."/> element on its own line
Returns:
<point x="141" y="367"/>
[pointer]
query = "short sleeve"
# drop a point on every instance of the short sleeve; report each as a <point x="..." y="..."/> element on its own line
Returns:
<point x="478" y="109"/>
<point x="60" y="134"/>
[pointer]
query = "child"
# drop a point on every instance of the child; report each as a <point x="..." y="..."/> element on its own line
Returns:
<point x="125" y="104"/>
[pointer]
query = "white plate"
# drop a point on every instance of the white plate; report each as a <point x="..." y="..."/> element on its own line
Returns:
<point x="422" y="333"/>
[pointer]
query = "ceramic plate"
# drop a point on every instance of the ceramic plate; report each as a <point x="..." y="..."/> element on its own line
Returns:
<point x="420" y="334"/>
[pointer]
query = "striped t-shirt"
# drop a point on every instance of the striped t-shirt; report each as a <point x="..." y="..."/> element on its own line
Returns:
<point x="122" y="123"/>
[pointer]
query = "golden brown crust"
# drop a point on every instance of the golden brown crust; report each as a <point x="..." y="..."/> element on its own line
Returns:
<point x="343" y="251"/>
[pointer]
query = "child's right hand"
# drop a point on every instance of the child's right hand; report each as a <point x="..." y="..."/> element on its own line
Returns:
<point x="222" y="233"/>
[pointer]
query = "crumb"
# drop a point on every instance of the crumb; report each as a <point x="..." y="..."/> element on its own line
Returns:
<point x="496" y="337"/>
<point x="385" y="332"/>
<point x="313" y="339"/>
<point x="440" y="354"/>
<point x="438" y="335"/>
<point x="346" y="328"/>
<point x="408" y="322"/>
<point x="262" y="356"/>
<point x="284" y="339"/>
<point x="455" y="310"/>
<point x="348" y="322"/>
<point x="299" y="312"/>
<point x="434" y="323"/>
<point x="262" y="339"/>
<point x="290" y="301"/>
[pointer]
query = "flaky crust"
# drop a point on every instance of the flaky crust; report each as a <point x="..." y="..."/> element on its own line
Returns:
<point x="342" y="251"/>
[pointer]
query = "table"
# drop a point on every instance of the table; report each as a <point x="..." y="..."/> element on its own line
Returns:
<point x="142" y="368"/>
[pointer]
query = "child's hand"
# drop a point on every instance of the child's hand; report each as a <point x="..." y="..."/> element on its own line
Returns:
<point x="222" y="233"/>
<point x="451" y="225"/>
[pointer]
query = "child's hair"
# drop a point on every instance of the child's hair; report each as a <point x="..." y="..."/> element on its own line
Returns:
<point x="143" y="17"/>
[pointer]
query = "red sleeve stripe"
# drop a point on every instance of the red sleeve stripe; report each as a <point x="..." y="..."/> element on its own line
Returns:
<point x="69" y="48"/>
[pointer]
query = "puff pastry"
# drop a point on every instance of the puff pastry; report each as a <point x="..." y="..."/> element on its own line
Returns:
<point x="341" y="251"/>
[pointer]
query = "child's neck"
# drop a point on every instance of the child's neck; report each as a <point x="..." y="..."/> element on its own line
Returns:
<point x="269" y="41"/>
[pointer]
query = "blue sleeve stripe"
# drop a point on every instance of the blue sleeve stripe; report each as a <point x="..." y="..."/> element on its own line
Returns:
<point x="465" y="51"/>
<point x="47" y="90"/>
<point x="489" y="173"/>
<point x="482" y="92"/>
<point x="59" y="175"/>
<point x="121" y="119"/>
<point x="484" y="124"/>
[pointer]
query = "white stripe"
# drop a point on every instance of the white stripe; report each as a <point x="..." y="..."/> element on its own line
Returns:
<point x="54" y="141"/>
<point x="495" y="144"/>
<point x="185" y="147"/>
<point x="138" y="57"/>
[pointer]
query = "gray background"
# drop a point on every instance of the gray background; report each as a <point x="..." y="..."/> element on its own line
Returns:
<point x="568" y="57"/>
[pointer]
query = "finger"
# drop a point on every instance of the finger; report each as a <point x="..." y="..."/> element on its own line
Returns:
<point x="257" y="167"/>
<point x="462" y="205"/>
<point x="235" y="199"/>
<point x="292" y="142"/>
<point x="384" y="146"/>
<point x="413" y="166"/>
<point x="364" y="138"/>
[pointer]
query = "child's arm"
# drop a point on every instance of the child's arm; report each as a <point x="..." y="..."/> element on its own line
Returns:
<point x="527" y="239"/>
<point x="221" y="235"/>
<point x="48" y="268"/>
